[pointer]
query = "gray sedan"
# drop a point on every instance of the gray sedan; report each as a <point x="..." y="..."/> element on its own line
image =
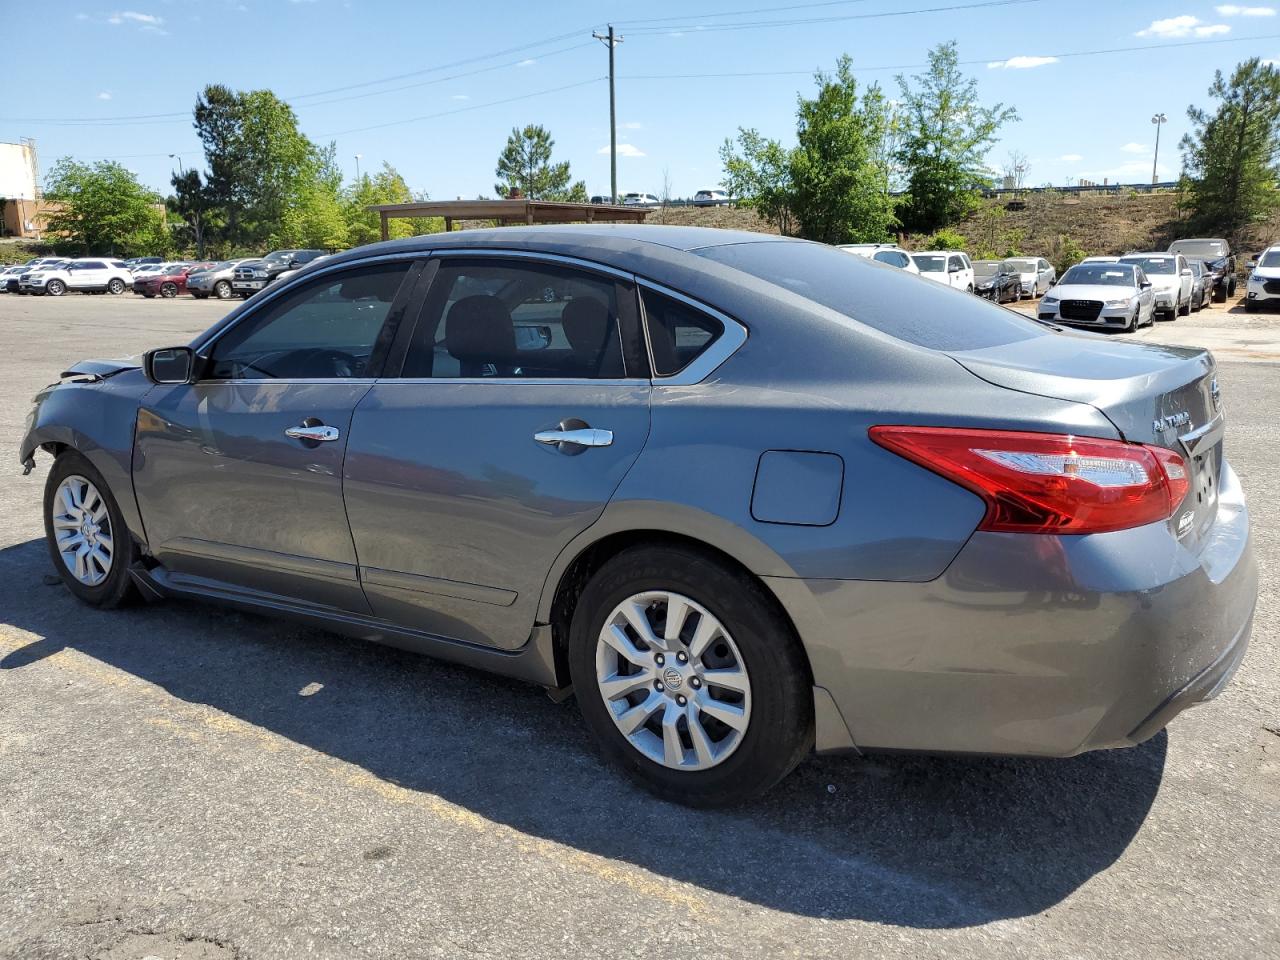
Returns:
<point x="745" y="497"/>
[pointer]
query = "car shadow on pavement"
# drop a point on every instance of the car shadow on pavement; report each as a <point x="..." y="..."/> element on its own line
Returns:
<point x="915" y="841"/>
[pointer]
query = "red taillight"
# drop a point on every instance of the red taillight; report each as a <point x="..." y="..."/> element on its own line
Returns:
<point x="1049" y="483"/>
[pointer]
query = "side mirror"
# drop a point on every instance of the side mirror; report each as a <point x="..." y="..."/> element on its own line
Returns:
<point x="1146" y="284"/>
<point x="1186" y="272"/>
<point x="169" y="364"/>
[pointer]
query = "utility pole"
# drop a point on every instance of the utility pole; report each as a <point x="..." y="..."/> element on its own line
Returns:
<point x="610" y="40"/>
<point x="1159" y="120"/>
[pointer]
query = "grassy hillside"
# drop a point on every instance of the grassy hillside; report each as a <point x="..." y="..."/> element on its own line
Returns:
<point x="1096" y="223"/>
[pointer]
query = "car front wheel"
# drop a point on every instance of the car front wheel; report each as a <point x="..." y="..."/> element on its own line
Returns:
<point x="689" y="677"/>
<point x="55" y="288"/>
<point x="86" y="534"/>
<point x="168" y="290"/>
<point x="222" y="289"/>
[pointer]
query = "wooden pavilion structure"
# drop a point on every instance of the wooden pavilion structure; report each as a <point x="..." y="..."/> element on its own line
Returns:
<point x="508" y="212"/>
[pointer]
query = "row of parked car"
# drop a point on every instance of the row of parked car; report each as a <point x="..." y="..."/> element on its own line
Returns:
<point x="154" y="276"/>
<point x="1123" y="291"/>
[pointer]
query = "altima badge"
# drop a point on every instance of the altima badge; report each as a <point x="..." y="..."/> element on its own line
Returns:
<point x="1172" y="421"/>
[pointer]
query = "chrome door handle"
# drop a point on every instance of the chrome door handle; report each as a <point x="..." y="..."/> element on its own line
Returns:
<point x="581" y="437"/>
<point x="313" y="432"/>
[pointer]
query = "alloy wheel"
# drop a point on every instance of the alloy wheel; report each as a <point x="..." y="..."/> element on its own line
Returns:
<point x="673" y="680"/>
<point x="82" y="528"/>
<point x="223" y="289"/>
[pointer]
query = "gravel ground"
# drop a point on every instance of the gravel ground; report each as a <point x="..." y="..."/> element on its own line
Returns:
<point x="177" y="781"/>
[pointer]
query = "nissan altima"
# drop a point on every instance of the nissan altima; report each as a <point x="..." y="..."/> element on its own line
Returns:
<point x="744" y="497"/>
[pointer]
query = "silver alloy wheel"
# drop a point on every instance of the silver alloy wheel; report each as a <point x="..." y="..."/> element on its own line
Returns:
<point x="673" y="680"/>
<point x="223" y="289"/>
<point x="82" y="529"/>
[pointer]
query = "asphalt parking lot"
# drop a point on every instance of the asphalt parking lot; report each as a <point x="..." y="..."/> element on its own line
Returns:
<point x="178" y="781"/>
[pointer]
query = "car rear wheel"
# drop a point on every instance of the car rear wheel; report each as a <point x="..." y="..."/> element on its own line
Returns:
<point x="55" y="288"/>
<point x="116" y="286"/>
<point x="86" y="534"/>
<point x="168" y="290"/>
<point x="689" y="677"/>
<point x="222" y="289"/>
<point x="1185" y="310"/>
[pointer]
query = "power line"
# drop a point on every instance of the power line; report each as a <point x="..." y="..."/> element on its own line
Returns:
<point x="736" y="13"/>
<point x="758" y="24"/>
<point x="474" y="106"/>
<point x="920" y="66"/>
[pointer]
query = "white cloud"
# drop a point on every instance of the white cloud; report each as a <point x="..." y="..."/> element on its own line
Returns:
<point x="1174" y="28"/>
<point x="526" y="63"/>
<point x="624" y="150"/>
<point x="134" y="17"/>
<point x="82" y="16"/>
<point x="1020" y="63"/>
<point x="1136" y="148"/>
<point x="632" y="125"/>
<point x="1071" y="158"/>
<point x="104" y="95"/>
<point x="1271" y="63"/>
<point x="460" y="96"/>
<point x="1234" y="10"/>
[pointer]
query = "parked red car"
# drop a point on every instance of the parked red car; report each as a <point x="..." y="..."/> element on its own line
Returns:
<point x="169" y="284"/>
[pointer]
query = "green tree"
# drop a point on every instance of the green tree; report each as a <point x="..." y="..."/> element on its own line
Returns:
<point x="385" y="186"/>
<point x="840" y="188"/>
<point x="101" y="208"/>
<point x="189" y="203"/>
<point x="525" y="163"/>
<point x="259" y="164"/>
<point x="1231" y="155"/>
<point x="757" y="171"/>
<point x="946" y="134"/>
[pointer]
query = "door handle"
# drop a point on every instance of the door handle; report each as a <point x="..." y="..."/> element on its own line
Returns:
<point x="313" y="432"/>
<point x="579" y="437"/>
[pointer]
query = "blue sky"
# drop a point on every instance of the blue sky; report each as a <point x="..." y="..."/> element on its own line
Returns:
<point x="335" y="60"/>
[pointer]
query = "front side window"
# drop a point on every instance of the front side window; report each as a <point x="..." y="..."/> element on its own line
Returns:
<point x="322" y="330"/>
<point x="956" y="265"/>
<point x="498" y="319"/>
<point x="678" y="333"/>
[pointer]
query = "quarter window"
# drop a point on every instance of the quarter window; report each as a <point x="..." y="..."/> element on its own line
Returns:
<point x="678" y="333"/>
<point x="496" y="319"/>
<point x="325" y="329"/>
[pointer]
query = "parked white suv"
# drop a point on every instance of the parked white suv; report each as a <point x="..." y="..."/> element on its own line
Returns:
<point x="1171" y="275"/>
<point x="86" y="274"/>
<point x="950" y="267"/>
<point x="1264" y="282"/>
<point x="888" y="253"/>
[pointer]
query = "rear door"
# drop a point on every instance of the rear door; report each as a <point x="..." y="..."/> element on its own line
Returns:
<point x="87" y="275"/>
<point x="521" y="402"/>
<point x="239" y="475"/>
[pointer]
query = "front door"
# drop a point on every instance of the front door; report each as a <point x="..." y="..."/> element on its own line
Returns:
<point x="87" y="275"/>
<point x="239" y="475"/>
<point x="523" y="401"/>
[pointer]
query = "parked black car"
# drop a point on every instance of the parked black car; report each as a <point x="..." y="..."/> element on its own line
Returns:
<point x="253" y="275"/>
<point x="1219" y="264"/>
<point x="997" y="280"/>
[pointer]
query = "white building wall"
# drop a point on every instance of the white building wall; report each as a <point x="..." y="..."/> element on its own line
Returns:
<point x="17" y="172"/>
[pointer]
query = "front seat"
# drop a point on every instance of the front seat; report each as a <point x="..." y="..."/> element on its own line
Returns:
<point x="479" y="334"/>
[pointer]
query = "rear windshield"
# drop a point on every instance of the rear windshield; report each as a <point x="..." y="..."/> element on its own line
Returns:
<point x="1106" y="274"/>
<point x="1154" y="264"/>
<point x="926" y="314"/>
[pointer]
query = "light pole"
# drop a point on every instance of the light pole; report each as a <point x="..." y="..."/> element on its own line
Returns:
<point x="174" y="156"/>
<point x="358" y="156"/>
<point x="1159" y="120"/>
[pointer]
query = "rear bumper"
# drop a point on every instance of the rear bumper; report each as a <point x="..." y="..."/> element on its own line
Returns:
<point x="1035" y="645"/>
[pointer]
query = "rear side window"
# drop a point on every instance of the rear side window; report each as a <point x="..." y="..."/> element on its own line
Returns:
<point x="925" y="314"/>
<point x="678" y="333"/>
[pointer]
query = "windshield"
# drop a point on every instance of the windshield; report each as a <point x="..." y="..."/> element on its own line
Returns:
<point x="1270" y="259"/>
<point x="925" y="314"/>
<point x="1200" y="248"/>
<point x="1024" y="266"/>
<point x="985" y="268"/>
<point x="1108" y="275"/>
<point x="279" y="256"/>
<point x="930" y="264"/>
<point x="1154" y="264"/>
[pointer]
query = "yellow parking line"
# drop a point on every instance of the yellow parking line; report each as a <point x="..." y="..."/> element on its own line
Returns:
<point x="197" y="722"/>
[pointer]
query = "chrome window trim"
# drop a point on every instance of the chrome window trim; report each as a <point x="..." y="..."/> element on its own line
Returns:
<point x="510" y="381"/>
<point x="303" y="276"/>
<point x="707" y="362"/>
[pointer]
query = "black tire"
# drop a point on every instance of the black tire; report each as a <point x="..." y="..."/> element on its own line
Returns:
<point x="168" y="289"/>
<point x="1185" y="309"/>
<point x="118" y="587"/>
<point x="55" y="288"/>
<point x="222" y="289"/>
<point x="780" y="731"/>
<point x="115" y="287"/>
<point x="1132" y="325"/>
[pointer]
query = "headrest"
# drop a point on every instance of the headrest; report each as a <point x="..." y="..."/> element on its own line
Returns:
<point x="586" y="325"/>
<point x="478" y="329"/>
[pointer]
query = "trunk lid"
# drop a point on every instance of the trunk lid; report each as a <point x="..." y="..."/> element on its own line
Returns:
<point x="1160" y="395"/>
